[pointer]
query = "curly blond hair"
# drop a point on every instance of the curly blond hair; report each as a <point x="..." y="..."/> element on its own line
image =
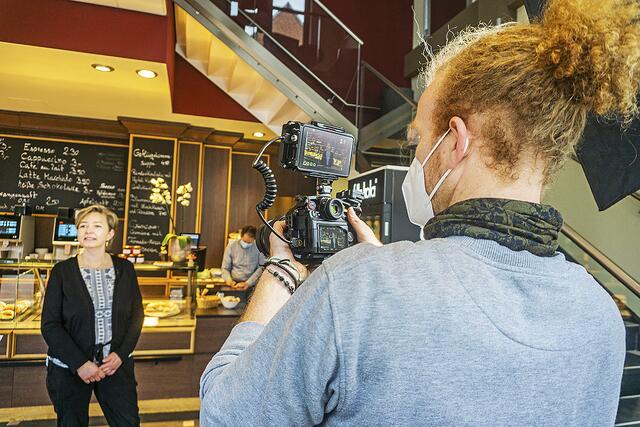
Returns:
<point x="533" y="85"/>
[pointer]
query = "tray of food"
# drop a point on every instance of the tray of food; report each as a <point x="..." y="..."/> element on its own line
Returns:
<point x="161" y="309"/>
<point x="9" y="311"/>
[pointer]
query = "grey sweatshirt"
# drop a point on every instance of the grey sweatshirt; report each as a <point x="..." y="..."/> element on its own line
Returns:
<point x="240" y="264"/>
<point x="445" y="332"/>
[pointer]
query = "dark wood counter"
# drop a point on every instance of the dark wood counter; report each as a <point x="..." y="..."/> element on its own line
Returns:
<point x="221" y="311"/>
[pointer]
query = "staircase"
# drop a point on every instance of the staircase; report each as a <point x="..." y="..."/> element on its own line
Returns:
<point x="240" y="65"/>
<point x="278" y="78"/>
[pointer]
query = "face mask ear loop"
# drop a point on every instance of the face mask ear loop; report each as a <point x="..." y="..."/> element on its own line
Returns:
<point x="439" y="183"/>
<point x="435" y="146"/>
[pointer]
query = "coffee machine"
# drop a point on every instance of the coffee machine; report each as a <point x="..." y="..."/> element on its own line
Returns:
<point x="383" y="207"/>
<point x="17" y="235"/>
<point x="65" y="235"/>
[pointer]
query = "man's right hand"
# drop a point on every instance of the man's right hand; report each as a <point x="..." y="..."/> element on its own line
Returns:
<point x="230" y="282"/>
<point x="90" y="372"/>
<point x="364" y="233"/>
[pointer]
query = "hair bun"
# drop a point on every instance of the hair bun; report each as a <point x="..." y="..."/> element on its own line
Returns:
<point x="592" y="49"/>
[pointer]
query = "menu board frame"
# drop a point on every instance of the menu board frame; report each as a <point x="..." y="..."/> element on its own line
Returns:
<point x="65" y="141"/>
<point x="174" y="177"/>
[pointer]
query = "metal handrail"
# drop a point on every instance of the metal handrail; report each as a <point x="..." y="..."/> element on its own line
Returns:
<point x="300" y="63"/>
<point x="389" y="83"/>
<point x="335" y="18"/>
<point x="606" y="263"/>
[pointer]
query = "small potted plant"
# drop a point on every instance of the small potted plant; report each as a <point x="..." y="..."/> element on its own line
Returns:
<point x="177" y="247"/>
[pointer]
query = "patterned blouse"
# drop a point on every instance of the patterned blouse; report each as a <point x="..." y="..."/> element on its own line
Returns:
<point x="100" y="284"/>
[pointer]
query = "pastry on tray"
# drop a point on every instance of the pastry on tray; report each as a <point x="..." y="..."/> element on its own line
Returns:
<point x="7" y="314"/>
<point x="161" y="309"/>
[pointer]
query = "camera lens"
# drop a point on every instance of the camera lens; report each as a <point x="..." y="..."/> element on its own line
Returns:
<point x="332" y="209"/>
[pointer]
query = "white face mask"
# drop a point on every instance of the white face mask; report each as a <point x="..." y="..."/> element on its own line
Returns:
<point x="418" y="201"/>
<point x="245" y="245"/>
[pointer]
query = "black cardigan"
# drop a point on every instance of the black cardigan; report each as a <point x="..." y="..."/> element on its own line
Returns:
<point x="68" y="317"/>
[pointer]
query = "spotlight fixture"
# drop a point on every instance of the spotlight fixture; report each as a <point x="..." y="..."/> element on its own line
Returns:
<point x="103" y="68"/>
<point x="258" y="134"/>
<point x="147" y="74"/>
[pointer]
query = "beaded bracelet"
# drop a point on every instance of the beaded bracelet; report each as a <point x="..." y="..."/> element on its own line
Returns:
<point x="287" y="266"/>
<point x="282" y="278"/>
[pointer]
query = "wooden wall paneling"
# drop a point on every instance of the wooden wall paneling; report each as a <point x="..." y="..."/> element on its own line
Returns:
<point x="29" y="386"/>
<point x="6" y="386"/>
<point x="247" y="189"/>
<point x="188" y="171"/>
<point x="212" y="332"/>
<point x="44" y="231"/>
<point x="215" y="201"/>
<point x="159" y="379"/>
<point x="292" y="183"/>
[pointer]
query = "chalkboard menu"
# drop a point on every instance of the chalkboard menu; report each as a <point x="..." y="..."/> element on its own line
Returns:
<point x="147" y="222"/>
<point x="47" y="174"/>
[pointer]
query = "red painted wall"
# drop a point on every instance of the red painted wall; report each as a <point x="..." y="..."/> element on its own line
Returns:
<point x="386" y="29"/>
<point x="194" y="94"/>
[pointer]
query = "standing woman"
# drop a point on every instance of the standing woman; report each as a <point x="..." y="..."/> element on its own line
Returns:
<point x="91" y="320"/>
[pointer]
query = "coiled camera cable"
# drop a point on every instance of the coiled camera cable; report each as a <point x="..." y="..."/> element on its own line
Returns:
<point x="271" y="188"/>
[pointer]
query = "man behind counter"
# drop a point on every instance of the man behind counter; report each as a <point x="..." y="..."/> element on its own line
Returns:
<point x="241" y="261"/>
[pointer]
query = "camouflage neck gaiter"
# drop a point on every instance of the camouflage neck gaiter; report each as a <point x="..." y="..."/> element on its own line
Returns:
<point x="515" y="224"/>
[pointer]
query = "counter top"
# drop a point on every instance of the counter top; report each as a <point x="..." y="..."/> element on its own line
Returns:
<point x="220" y="311"/>
<point x="145" y="266"/>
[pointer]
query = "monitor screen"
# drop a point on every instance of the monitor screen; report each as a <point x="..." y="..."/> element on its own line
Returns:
<point x="65" y="230"/>
<point x="326" y="152"/>
<point x="195" y="239"/>
<point x="9" y="227"/>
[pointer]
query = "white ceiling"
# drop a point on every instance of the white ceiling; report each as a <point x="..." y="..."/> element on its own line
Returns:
<point x="61" y="82"/>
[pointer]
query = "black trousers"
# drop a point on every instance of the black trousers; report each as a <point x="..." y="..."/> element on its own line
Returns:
<point x="116" y="394"/>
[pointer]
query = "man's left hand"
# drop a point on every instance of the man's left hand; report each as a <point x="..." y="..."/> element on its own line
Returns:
<point x="110" y="364"/>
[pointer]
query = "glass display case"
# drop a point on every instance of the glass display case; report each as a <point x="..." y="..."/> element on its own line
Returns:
<point x="169" y="322"/>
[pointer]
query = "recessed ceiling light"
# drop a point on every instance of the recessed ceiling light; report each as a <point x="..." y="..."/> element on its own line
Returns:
<point x="147" y="74"/>
<point x="103" y="68"/>
<point x="258" y="134"/>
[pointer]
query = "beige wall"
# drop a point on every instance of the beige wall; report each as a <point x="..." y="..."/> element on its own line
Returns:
<point x="614" y="231"/>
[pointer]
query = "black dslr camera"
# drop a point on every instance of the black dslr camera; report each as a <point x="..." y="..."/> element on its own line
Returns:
<point x="317" y="226"/>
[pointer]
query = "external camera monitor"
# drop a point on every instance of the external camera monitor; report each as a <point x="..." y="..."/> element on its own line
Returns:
<point x="65" y="231"/>
<point x="195" y="239"/>
<point x="9" y="227"/>
<point x="325" y="151"/>
<point x="317" y="149"/>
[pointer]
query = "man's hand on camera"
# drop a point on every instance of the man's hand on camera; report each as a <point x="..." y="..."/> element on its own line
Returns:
<point x="270" y="295"/>
<point x="364" y="233"/>
<point x="280" y="249"/>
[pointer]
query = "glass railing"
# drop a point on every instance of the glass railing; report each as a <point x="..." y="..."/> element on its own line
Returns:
<point x="622" y="287"/>
<point x="387" y="111"/>
<point x="307" y="38"/>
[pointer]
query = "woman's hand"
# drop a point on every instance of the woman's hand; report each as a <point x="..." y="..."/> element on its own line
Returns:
<point x="110" y="364"/>
<point x="363" y="231"/>
<point x="90" y="372"/>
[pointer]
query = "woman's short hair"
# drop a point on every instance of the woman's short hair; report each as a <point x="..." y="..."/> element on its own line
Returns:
<point x="112" y="218"/>
<point x="532" y="86"/>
